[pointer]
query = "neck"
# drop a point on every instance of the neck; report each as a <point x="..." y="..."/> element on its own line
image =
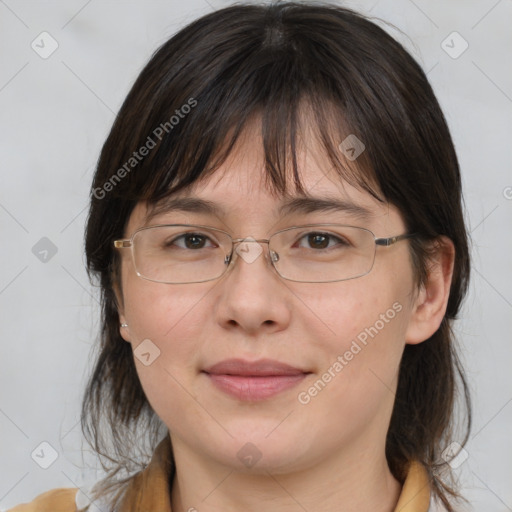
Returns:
<point x="340" y="483"/>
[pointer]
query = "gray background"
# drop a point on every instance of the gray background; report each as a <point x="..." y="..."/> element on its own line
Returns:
<point x="55" y="115"/>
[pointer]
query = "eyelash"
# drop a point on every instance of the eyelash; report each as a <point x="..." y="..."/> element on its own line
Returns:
<point x="331" y="236"/>
<point x="184" y="235"/>
<point x="325" y="234"/>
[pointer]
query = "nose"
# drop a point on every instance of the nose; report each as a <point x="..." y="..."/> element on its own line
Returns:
<point x="251" y="295"/>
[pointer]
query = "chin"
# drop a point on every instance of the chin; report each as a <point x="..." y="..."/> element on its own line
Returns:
<point x="259" y="452"/>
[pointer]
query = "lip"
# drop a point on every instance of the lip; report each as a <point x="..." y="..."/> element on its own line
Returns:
<point x="254" y="380"/>
<point x="260" y="368"/>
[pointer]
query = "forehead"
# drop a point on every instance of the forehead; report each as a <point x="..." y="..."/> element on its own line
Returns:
<point x="239" y="191"/>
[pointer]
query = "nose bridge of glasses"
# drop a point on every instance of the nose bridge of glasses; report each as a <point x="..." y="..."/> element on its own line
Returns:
<point x="250" y="239"/>
<point x="246" y="254"/>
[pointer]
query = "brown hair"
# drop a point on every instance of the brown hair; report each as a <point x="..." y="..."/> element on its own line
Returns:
<point x="188" y="107"/>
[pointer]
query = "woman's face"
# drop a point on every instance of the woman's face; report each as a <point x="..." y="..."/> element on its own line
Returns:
<point x="344" y="338"/>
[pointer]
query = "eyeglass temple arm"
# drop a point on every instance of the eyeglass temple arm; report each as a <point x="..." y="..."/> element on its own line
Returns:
<point x="121" y="244"/>
<point x="392" y="239"/>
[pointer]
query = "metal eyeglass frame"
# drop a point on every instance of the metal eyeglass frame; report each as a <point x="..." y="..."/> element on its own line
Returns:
<point x="125" y="243"/>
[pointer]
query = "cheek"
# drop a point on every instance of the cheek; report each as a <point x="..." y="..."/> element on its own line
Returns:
<point x="171" y="318"/>
<point x="358" y="336"/>
<point x="167" y="322"/>
<point x="355" y="383"/>
<point x="160" y="311"/>
<point x="358" y="310"/>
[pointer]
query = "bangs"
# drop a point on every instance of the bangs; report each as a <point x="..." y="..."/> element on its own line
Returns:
<point x="285" y="129"/>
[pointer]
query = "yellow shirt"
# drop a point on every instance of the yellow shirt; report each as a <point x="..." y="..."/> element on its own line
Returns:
<point x="149" y="490"/>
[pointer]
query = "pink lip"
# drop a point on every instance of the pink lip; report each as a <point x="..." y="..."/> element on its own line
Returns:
<point x="252" y="381"/>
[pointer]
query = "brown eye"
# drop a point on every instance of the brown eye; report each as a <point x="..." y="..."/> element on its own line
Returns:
<point x="194" y="241"/>
<point x="190" y="241"/>
<point x="318" y="241"/>
<point x="321" y="241"/>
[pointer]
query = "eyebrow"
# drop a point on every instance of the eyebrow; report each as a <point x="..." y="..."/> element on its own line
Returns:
<point x="185" y="204"/>
<point x="301" y="205"/>
<point x="310" y="204"/>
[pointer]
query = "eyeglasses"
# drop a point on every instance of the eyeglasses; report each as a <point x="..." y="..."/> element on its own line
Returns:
<point x="313" y="253"/>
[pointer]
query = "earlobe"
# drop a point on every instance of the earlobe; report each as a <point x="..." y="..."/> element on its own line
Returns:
<point x="124" y="329"/>
<point x="430" y="305"/>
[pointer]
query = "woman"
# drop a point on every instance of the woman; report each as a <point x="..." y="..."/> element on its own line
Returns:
<point x="277" y="230"/>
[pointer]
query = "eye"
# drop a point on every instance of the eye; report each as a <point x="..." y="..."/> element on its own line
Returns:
<point x="191" y="241"/>
<point x="319" y="240"/>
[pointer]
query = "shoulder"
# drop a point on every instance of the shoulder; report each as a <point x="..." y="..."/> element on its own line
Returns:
<point x="56" y="500"/>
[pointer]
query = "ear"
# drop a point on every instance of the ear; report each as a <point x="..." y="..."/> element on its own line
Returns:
<point x="430" y="305"/>
<point x="123" y="331"/>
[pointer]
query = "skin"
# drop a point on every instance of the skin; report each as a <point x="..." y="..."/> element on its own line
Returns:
<point x="328" y="454"/>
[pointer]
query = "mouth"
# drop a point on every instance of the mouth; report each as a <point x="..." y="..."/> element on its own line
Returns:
<point x="254" y="381"/>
